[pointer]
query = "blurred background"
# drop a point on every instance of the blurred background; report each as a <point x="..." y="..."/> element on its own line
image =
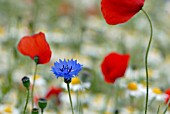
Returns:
<point x="76" y="29"/>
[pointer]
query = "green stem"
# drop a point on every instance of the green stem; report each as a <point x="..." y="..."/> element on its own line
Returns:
<point x="146" y="60"/>
<point x="68" y="87"/>
<point x="26" y="100"/>
<point x="158" y="109"/>
<point x="152" y="100"/>
<point x="77" y="97"/>
<point x="116" y="92"/>
<point x="32" y="92"/>
<point x="42" y="111"/>
<point x="166" y="108"/>
<point x="132" y="101"/>
<point x="107" y="99"/>
<point x="80" y="107"/>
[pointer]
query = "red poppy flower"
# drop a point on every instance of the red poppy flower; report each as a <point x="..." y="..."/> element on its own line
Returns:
<point x="53" y="91"/>
<point x="35" y="45"/>
<point x="120" y="11"/>
<point x="114" y="66"/>
<point x="167" y="92"/>
<point x="36" y="99"/>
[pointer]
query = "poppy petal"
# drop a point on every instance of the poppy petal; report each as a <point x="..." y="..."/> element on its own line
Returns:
<point x="120" y="11"/>
<point x="53" y="91"/>
<point x="114" y="66"/>
<point x="35" y="45"/>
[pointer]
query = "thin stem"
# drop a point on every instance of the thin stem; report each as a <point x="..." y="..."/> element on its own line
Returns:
<point x="132" y="101"/>
<point x="116" y="92"/>
<point x="107" y="99"/>
<point x="166" y="108"/>
<point x="77" y="95"/>
<point x="152" y="100"/>
<point x="42" y="111"/>
<point x="68" y="87"/>
<point x="32" y="92"/>
<point x="26" y="100"/>
<point x="158" y="109"/>
<point x="80" y="106"/>
<point x="146" y="60"/>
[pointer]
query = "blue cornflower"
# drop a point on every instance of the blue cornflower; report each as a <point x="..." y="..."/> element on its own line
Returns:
<point x="66" y="69"/>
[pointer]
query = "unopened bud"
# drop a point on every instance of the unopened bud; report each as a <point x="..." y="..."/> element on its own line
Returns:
<point x="36" y="59"/>
<point x="35" y="111"/>
<point x="42" y="103"/>
<point x="26" y="81"/>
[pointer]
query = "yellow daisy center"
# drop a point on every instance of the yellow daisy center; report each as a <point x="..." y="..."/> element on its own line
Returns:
<point x="132" y="86"/>
<point x="37" y="77"/>
<point x="1" y="31"/>
<point x="8" y="109"/>
<point x="107" y="113"/>
<point x="75" y="81"/>
<point x="157" y="90"/>
<point x="131" y="109"/>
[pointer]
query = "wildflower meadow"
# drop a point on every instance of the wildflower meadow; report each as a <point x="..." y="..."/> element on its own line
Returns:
<point x="84" y="57"/>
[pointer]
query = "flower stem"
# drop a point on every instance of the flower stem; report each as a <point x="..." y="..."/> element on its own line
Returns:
<point x="42" y="111"/>
<point x="32" y="92"/>
<point x="78" y="104"/>
<point x="26" y="100"/>
<point x="146" y="59"/>
<point x="166" y="108"/>
<point x="107" y="99"/>
<point x="158" y="109"/>
<point x="116" y="92"/>
<point x="68" y="87"/>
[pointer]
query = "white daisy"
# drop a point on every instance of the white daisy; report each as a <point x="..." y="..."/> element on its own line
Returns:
<point x="135" y="90"/>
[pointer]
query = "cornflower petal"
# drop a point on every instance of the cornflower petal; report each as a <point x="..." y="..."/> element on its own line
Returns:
<point x="66" y="68"/>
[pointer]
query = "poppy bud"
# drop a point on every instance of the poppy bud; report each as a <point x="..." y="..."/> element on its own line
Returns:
<point x="42" y="103"/>
<point x="26" y="81"/>
<point x="31" y="26"/>
<point x="35" y="111"/>
<point x="36" y="59"/>
<point x="116" y="111"/>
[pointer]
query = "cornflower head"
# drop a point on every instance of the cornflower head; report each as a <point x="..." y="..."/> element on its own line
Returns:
<point x="66" y="69"/>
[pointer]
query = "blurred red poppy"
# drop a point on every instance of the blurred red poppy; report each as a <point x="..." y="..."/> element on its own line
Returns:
<point x="35" y="45"/>
<point x="54" y="91"/>
<point x="167" y="92"/>
<point x="114" y="66"/>
<point x="120" y="11"/>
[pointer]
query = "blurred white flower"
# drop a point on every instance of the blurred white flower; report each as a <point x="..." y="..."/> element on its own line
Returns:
<point x="136" y="90"/>
<point x="156" y="94"/>
<point x="39" y="80"/>
<point x="8" y="109"/>
<point x="77" y="85"/>
<point x="155" y="58"/>
<point x="40" y="84"/>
